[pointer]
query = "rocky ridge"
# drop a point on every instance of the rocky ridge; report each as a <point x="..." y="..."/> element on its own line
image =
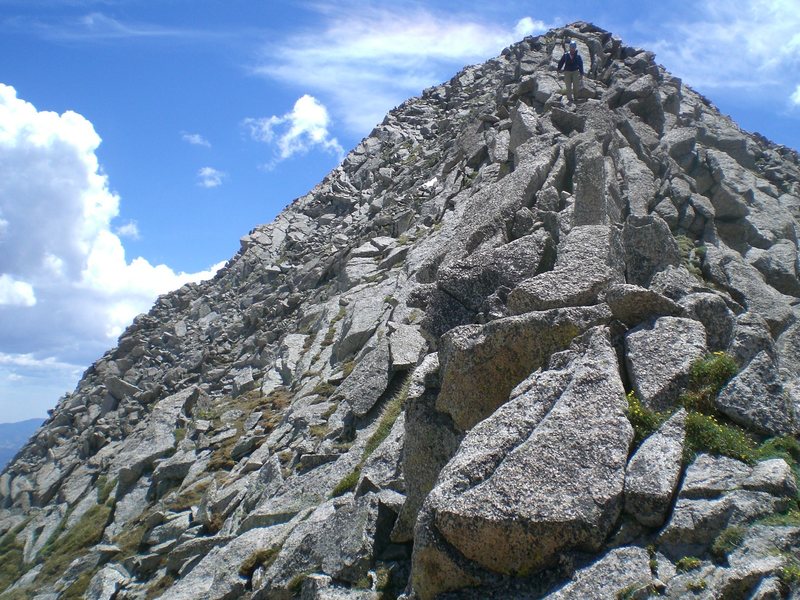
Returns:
<point x="428" y="376"/>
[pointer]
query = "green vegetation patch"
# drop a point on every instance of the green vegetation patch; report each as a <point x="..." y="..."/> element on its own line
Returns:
<point x="130" y="540"/>
<point x="87" y="532"/>
<point x="104" y="488"/>
<point x="160" y="586"/>
<point x="324" y="389"/>
<point x="688" y="563"/>
<point x="79" y="586"/>
<point x="388" y="417"/>
<point x="643" y="420"/>
<point x="12" y="565"/>
<point x="692" y="256"/>
<point x="726" y="542"/>
<point x="260" y="558"/>
<point x="704" y="433"/>
<point x="347" y="483"/>
<point x="789" y="574"/>
<point x="331" y="333"/>
<point x="697" y="585"/>
<point x="707" y="377"/>
<point x="188" y="498"/>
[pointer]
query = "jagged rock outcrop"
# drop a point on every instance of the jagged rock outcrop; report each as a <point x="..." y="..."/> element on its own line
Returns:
<point x="425" y="377"/>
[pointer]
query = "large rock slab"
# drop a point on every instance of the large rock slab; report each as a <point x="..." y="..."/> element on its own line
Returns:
<point x="632" y="304"/>
<point x="652" y="475"/>
<point x="543" y="474"/>
<point x="718" y="492"/>
<point x="406" y="346"/>
<point x="756" y="398"/>
<point x="714" y="314"/>
<point x="589" y="259"/>
<point x="481" y="364"/>
<point x="472" y="280"/>
<point x="368" y="381"/>
<point x="594" y="204"/>
<point x="649" y="248"/>
<point x="430" y="441"/>
<point x="340" y="538"/>
<point x="156" y="440"/>
<point x="659" y="356"/>
<point x="625" y="568"/>
<point x="359" y="324"/>
<point x="747" y="285"/>
<point x="217" y="576"/>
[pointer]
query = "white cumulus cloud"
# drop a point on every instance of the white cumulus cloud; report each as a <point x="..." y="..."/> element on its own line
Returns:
<point x="17" y="293"/>
<point x="209" y="177"/>
<point x="66" y="287"/>
<point x="195" y="139"/>
<point x="796" y="96"/>
<point x="369" y="58"/>
<point x="529" y="26"/>
<point x="748" y="46"/>
<point x="304" y="128"/>
<point x="129" y="230"/>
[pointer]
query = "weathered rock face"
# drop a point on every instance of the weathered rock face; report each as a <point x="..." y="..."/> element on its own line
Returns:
<point x="543" y="474"/>
<point x="413" y="382"/>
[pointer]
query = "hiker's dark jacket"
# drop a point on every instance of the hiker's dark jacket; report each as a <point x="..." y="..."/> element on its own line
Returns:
<point x="571" y="64"/>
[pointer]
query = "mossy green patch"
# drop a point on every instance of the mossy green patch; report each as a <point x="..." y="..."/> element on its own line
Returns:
<point x="387" y="420"/>
<point x="789" y="574"/>
<point x="347" y="483"/>
<point x="393" y="409"/>
<point x="705" y="433"/>
<point x="726" y="542"/>
<point x="687" y="563"/>
<point x="263" y="557"/>
<point x="78" y="588"/>
<point x="104" y="488"/>
<point x="643" y="420"/>
<point x="160" y="586"/>
<point x="707" y="377"/>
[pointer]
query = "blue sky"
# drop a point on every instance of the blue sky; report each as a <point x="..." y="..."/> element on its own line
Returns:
<point x="140" y="140"/>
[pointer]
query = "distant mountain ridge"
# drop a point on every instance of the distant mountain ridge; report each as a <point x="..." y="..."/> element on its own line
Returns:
<point x="13" y="437"/>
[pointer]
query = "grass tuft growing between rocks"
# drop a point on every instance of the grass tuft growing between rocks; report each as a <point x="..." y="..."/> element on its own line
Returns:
<point x="393" y="409"/>
<point x="704" y="433"/>
<point x="789" y="574"/>
<point x="726" y="542"/>
<point x="12" y="565"/>
<point x="706" y="429"/>
<point x="348" y="483"/>
<point x="387" y="420"/>
<point x="160" y="586"/>
<point x="104" y="488"/>
<point x="78" y="588"/>
<point x="643" y="420"/>
<point x="707" y="377"/>
<point x="692" y="256"/>
<point x="687" y="563"/>
<point x="61" y="551"/>
<point x="260" y="558"/>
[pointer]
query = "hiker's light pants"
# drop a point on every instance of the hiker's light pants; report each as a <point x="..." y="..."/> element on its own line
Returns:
<point x="572" y="79"/>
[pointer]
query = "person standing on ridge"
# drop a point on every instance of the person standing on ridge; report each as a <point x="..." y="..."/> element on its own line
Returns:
<point x="572" y="65"/>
